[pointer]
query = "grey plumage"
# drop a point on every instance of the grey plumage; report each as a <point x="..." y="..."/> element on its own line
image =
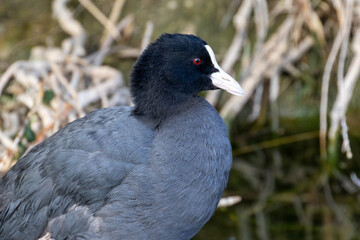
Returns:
<point x="124" y="172"/>
<point x="84" y="181"/>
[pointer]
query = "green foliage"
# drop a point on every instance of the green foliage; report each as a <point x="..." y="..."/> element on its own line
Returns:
<point x="48" y="96"/>
<point x="29" y="134"/>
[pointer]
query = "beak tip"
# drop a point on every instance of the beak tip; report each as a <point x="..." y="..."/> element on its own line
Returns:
<point x="239" y="92"/>
<point x="224" y="81"/>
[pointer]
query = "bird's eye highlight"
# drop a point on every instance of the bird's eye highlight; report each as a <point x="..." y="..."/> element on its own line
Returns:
<point x="197" y="61"/>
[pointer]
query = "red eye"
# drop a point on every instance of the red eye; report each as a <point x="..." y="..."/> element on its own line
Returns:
<point x="197" y="61"/>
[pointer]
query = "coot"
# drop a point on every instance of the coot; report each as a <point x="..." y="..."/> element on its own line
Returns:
<point x="153" y="171"/>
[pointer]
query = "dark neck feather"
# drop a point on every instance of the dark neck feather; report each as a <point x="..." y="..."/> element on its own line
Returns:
<point x="158" y="105"/>
<point x="151" y="93"/>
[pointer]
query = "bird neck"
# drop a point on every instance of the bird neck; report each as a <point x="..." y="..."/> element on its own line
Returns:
<point x="159" y="104"/>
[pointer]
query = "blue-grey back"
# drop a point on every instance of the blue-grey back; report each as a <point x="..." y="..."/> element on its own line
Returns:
<point x="79" y="164"/>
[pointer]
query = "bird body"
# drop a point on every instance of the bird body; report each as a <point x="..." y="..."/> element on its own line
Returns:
<point x="153" y="171"/>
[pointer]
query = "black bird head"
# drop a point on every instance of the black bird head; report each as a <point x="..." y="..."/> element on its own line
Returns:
<point x="172" y="69"/>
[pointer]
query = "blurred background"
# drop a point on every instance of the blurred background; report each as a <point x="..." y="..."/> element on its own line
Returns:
<point x="295" y="133"/>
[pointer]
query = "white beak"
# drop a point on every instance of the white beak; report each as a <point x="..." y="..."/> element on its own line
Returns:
<point x="221" y="79"/>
